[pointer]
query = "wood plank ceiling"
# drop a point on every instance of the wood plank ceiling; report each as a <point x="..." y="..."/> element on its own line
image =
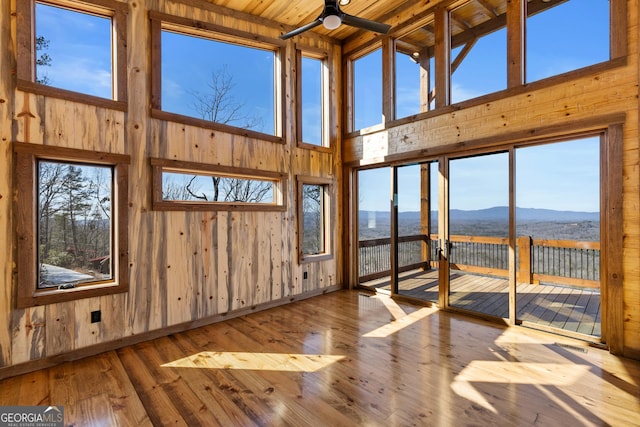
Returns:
<point x="469" y="21"/>
<point x="294" y="14"/>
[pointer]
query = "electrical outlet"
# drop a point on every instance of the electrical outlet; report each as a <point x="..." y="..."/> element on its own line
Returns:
<point x="304" y="275"/>
<point x="96" y="316"/>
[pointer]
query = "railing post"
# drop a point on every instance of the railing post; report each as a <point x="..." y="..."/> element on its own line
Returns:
<point x="525" y="275"/>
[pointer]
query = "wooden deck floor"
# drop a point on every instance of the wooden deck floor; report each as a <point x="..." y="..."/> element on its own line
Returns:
<point x="571" y="309"/>
<point x="343" y="359"/>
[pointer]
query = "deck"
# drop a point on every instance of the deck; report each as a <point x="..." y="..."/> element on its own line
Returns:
<point x="562" y="307"/>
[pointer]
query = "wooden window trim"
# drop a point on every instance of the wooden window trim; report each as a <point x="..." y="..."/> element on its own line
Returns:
<point x="26" y="51"/>
<point x="329" y="213"/>
<point x="163" y="165"/>
<point x="161" y="21"/>
<point x="26" y="158"/>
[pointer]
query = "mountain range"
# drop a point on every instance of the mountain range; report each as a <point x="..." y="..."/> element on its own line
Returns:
<point x="498" y="213"/>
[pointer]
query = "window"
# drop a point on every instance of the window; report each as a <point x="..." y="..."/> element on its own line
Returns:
<point x="72" y="224"/>
<point x="577" y="30"/>
<point x="211" y="79"/>
<point x="196" y="186"/>
<point x="415" y="71"/>
<point x="478" y="50"/>
<point x="367" y="83"/>
<point x="313" y="105"/>
<point x="74" y="50"/>
<point x="314" y="211"/>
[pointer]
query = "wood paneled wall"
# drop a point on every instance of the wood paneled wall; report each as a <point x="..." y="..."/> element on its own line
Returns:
<point x="186" y="268"/>
<point x="595" y="98"/>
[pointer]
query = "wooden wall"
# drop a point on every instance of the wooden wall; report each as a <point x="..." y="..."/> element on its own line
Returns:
<point x="558" y="106"/>
<point x="186" y="268"/>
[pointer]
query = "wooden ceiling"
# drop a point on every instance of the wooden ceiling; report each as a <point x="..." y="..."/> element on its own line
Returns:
<point x="469" y="20"/>
<point x="295" y="13"/>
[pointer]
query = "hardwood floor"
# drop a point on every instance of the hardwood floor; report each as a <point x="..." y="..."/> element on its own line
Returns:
<point x="561" y="307"/>
<point x="343" y="359"/>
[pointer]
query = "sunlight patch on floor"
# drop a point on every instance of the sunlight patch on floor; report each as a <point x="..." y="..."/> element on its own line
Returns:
<point x="553" y="374"/>
<point x="401" y="318"/>
<point x="255" y="361"/>
<point x="538" y="375"/>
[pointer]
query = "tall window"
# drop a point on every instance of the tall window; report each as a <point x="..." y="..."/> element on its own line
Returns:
<point x="312" y="96"/>
<point x="212" y="77"/>
<point x="314" y="195"/>
<point x="77" y="49"/>
<point x="479" y="50"/>
<point x="367" y="83"/>
<point x="415" y="71"/>
<point x="76" y="245"/>
<point x="75" y="223"/>
<point x="565" y="36"/>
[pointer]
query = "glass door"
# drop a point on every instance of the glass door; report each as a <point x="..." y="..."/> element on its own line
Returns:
<point x="374" y="229"/>
<point x="478" y="243"/>
<point x="417" y="231"/>
<point x="558" y="236"/>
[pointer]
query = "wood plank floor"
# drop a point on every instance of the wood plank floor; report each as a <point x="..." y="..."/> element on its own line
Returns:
<point x="343" y="359"/>
<point x="561" y="307"/>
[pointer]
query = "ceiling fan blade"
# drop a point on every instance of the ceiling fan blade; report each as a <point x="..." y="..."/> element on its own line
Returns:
<point x="365" y="24"/>
<point x="302" y="29"/>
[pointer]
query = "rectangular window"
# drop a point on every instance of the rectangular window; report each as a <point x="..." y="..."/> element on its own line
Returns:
<point x="367" y="90"/>
<point x="478" y="50"/>
<point x="76" y="50"/>
<point x="72" y="224"/>
<point x="196" y="186"/>
<point x="314" y="211"/>
<point x="313" y="105"/>
<point x="565" y="36"/>
<point x="205" y="77"/>
<point x="415" y="71"/>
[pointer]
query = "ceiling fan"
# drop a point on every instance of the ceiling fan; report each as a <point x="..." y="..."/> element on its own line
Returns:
<point x="331" y="17"/>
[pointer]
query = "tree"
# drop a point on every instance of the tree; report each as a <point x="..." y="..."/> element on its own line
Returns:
<point x="313" y="241"/>
<point x="50" y="191"/>
<point x="220" y="105"/>
<point x="43" y="60"/>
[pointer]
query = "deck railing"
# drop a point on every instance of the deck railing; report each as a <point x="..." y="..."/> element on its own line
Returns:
<point x="565" y="262"/>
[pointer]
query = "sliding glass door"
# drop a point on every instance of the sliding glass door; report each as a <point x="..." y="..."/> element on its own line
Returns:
<point x="558" y="235"/>
<point x="478" y="249"/>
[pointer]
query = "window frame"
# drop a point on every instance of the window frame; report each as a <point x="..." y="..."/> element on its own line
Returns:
<point x="323" y="57"/>
<point x="328" y="212"/>
<point x="27" y="156"/>
<point x="161" y="21"/>
<point x="26" y="50"/>
<point x="279" y="203"/>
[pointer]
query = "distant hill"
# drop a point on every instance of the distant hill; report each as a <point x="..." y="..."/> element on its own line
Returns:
<point x="498" y="213"/>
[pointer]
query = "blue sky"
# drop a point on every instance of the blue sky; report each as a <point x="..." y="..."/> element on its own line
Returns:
<point x="557" y="41"/>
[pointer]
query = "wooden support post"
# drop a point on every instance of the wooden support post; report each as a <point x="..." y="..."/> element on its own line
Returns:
<point x="524" y="260"/>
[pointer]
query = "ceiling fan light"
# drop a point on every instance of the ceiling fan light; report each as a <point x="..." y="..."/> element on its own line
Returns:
<point x="344" y="2"/>
<point x="331" y="22"/>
